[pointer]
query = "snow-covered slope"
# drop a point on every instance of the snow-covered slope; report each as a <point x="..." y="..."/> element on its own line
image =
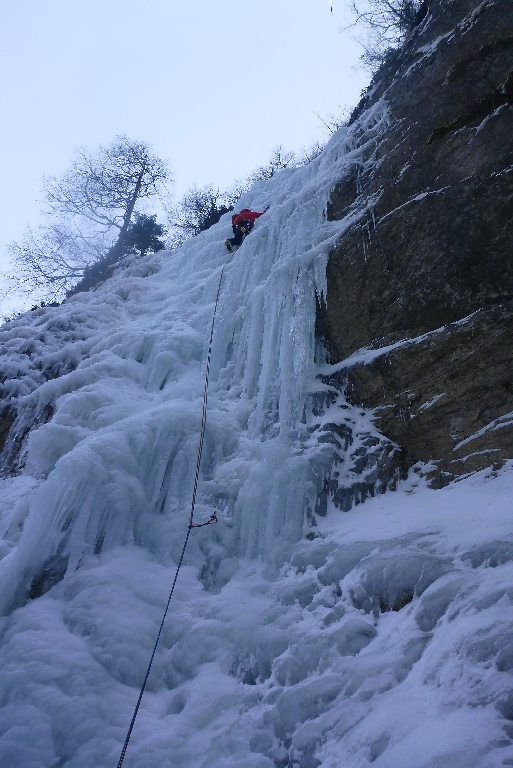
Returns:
<point x="379" y="635"/>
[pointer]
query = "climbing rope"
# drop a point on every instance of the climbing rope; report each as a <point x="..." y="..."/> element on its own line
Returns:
<point x="212" y="520"/>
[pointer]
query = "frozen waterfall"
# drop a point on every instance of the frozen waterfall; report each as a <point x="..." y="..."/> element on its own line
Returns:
<point x="379" y="637"/>
<point x="118" y="455"/>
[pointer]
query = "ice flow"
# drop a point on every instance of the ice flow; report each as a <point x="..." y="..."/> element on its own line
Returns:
<point x="117" y="457"/>
<point x="384" y="640"/>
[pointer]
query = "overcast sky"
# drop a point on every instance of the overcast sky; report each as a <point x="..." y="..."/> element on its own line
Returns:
<point x="212" y="85"/>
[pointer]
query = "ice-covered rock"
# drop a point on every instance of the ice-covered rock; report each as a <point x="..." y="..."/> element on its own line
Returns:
<point x="321" y="621"/>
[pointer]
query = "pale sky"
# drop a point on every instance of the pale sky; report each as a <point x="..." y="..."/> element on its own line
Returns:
<point x="212" y="85"/>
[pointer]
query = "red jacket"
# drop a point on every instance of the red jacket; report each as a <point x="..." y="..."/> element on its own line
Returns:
<point x="245" y="215"/>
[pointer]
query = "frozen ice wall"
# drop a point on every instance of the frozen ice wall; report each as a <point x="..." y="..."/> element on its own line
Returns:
<point x="383" y="640"/>
<point x="121" y="372"/>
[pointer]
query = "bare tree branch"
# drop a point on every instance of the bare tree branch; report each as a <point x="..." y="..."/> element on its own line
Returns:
<point x="88" y="210"/>
<point x="49" y="262"/>
<point x="384" y="25"/>
<point x="198" y="210"/>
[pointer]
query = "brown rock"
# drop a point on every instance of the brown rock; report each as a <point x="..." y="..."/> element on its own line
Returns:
<point x="6" y="422"/>
<point x="446" y="398"/>
<point x="433" y="244"/>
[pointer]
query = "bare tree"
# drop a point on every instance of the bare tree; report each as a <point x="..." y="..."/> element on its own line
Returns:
<point x="385" y="24"/>
<point x="49" y="262"/>
<point x="101" y="190"/>
<point x="88" y="213"/>
<point x="198" y="210"/>
<point x="279" y="160"/>
<point x="307" y="154"/>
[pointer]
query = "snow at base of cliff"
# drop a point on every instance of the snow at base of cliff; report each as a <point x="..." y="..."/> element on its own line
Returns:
<point x="381" y="635"/>
<point x="386" y="640"/>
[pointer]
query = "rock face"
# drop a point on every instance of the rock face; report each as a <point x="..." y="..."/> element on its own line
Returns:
<point x="448" y="397"/>
<point x="432" y="244"/>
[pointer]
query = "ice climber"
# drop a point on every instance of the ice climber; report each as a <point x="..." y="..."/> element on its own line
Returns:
<point x="242" y="224"/>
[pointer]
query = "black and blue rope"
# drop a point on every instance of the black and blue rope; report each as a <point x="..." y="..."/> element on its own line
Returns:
<point x="213" y="519"/>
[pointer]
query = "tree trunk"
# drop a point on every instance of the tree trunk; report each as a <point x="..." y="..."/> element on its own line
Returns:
<point x="116" y="251"/>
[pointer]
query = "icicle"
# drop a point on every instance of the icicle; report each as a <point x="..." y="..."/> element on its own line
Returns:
<point x="118" y="450"/>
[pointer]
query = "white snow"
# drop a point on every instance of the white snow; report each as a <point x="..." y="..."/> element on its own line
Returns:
<point x="415" y="199"/>
<point x="280" y="648"/>
<point x="494" y="425"/>
<point x="430" y="403"/>
<point x="366" y="356"/>
<point x="464" y="26"/>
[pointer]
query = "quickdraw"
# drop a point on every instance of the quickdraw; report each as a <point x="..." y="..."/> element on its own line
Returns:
<point x="212" y="520"/>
